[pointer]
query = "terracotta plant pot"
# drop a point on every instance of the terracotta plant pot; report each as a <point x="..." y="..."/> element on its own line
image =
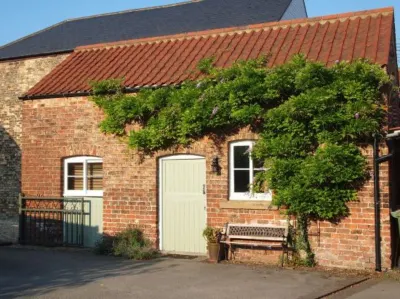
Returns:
<point x="213" y="252"/>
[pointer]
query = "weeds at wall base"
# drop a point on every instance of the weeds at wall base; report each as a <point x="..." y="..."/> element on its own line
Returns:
<point x="130" y="244"/>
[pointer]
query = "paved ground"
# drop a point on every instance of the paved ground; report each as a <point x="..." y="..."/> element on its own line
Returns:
<point x="63" y="274"/>
<point x="373" y="289"/>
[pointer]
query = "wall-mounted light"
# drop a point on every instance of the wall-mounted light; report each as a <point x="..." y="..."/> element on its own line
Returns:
<point x="215" y="165"/>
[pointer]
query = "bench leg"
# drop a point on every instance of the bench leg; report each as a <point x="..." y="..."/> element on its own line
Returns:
<point x="232" y="256"/>
<point x="285" y="250"/>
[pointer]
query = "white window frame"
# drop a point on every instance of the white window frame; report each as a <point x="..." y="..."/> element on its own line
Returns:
<point x="85" y="160"/>
<point x="267" y="196"/>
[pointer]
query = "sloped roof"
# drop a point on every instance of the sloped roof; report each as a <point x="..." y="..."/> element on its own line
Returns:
<point x="170" y="60"/>
<point x="164" y="20"/>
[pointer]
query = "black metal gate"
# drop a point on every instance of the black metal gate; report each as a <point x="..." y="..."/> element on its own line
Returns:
<point x="50" y="221"/>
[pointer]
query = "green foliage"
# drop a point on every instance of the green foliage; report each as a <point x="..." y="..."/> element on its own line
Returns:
<point x="211" y="234"/>
<point x="222" y="100"/>
<point x="107" y="86"/>
<point x="310" y="119"/>
<point x="129" y="243"/>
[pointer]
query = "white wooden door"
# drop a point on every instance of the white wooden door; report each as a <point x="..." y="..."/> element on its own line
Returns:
<point x="183" y="205"/>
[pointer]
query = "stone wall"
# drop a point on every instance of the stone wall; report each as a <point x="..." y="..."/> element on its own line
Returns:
<point x="54" y="129"/>
<point x="16" y="77"/>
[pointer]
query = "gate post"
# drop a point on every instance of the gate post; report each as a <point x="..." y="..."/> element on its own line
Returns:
<point x="82" y="221"/>
<point x="21" y="215"/>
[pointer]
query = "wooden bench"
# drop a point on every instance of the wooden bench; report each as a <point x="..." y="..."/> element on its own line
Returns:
<point x="256" y="235"/>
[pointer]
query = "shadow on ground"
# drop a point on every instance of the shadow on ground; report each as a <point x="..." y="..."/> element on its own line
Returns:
<point x="62" y="274"/>
<point x="29" y="273"/>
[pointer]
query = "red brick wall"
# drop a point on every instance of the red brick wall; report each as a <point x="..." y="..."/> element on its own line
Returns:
<point x="54" y="129"/>
<point x="352" y="241"/>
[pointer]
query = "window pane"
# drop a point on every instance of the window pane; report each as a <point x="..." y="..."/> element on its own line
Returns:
<point x="75" y="183"/>
<point x="241" y="181"/>
<point x="95" y="183"/>
<point x="75" y="169"/>
<point x="95" y="169"/>
<point x="241" y="156"/>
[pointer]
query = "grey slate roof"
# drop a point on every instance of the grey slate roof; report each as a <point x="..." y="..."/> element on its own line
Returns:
<point x="158" y="21"/>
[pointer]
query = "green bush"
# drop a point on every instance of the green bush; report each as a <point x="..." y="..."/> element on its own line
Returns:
<point x="129" y="243"/>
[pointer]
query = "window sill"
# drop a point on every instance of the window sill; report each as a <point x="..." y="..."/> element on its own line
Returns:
<point x="248" y="205"/>
<point x="100" y="195"/>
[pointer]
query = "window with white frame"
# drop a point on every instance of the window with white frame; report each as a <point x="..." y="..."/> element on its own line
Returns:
<point x="83" y="176"/>
<point x="243" y="169"/>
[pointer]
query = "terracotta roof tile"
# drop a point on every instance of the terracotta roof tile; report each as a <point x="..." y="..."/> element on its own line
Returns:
<point x="170" y="60"/>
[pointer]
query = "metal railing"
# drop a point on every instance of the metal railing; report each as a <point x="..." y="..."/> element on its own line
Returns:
<point x="51" y="221"/>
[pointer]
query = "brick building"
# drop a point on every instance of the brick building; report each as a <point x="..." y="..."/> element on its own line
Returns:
<point x="64" y="152"/>
<point x="26" y="61"/>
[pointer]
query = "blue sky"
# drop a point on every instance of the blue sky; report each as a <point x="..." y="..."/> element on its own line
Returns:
<point x="21" y="17"/>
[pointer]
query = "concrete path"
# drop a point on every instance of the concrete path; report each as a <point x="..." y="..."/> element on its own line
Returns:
<point x="61" y="274"/>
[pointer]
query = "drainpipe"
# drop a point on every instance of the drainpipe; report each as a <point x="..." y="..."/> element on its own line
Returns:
<point x="377" y="200"/>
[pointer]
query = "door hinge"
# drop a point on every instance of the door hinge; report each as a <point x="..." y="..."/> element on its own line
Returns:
<point x="204" y="188"/>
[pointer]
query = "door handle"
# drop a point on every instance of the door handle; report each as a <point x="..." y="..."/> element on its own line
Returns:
<point x="204" y="188"/>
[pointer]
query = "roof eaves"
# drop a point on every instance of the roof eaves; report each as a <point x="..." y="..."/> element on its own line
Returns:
<point x="84" y="93"/>
<point x="53" y="96"/>
<point x="36" y="55"/>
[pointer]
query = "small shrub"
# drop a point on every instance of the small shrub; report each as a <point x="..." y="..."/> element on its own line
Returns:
<point x="211" y="234"/>
<point x="130" y="243"/>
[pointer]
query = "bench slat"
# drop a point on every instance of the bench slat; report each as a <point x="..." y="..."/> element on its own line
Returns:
<point x="256" y="238"/>
<point x="258" y="232"/>
<point x="253" y="244"/>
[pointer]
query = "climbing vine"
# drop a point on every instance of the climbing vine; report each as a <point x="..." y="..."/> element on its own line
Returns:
<point x="311" y="120"/>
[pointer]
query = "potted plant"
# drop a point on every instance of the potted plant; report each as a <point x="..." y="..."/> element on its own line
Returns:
<point x="211" y="234"/>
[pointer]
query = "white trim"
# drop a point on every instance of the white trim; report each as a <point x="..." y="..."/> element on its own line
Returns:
<point x="243" y="195"/>
<point x="160" y="191"/>
<point x="84" y="160"/>
<point x="183" y="157"/>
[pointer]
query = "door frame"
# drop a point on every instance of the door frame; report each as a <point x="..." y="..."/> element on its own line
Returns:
<point x="160" y="189"/>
